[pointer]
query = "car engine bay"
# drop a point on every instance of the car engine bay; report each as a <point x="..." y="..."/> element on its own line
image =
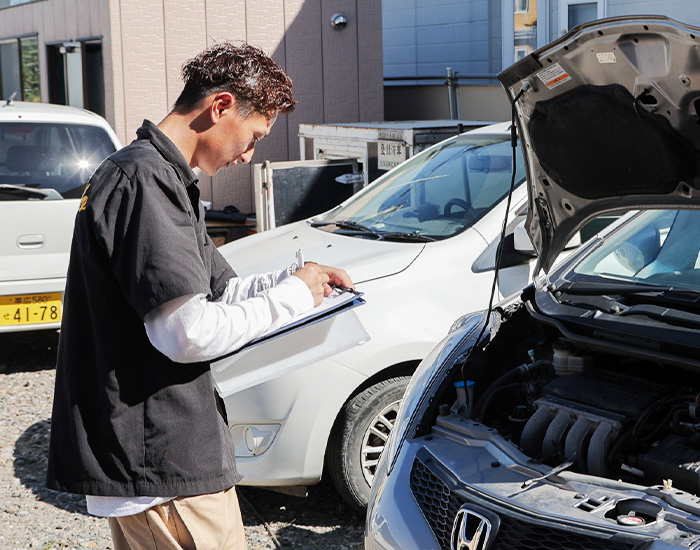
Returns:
<point x="584" y="410"/>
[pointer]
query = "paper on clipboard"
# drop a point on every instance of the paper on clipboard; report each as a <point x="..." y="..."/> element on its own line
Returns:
<point x="333" y="304"/>
<point x="290" y="350"/>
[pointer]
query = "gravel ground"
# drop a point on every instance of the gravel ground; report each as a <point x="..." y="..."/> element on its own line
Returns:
<point x="32" y="516"/>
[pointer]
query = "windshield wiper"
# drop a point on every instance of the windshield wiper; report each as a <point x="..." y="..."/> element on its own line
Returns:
<point x="407" y="237"/>
<point x="626" y="289"/>
<point x="19" y="191"/>
<point x="364" y="230"/>
<point x="349" y="226"/>
<point x="668" y="304"/>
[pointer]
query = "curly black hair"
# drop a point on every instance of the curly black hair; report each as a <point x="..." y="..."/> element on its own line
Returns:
<point x="257" y="82"/>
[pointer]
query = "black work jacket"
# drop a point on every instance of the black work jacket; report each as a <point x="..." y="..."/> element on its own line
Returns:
<point x="127" y="421"/>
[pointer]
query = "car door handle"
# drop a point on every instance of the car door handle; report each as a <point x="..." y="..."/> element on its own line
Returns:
<point x="30" y="241"/>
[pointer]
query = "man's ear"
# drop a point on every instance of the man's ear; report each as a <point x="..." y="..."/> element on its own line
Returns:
<point x="222" y="104"/>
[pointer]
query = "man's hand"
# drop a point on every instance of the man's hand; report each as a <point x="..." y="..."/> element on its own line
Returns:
<point x="319" y="279"/>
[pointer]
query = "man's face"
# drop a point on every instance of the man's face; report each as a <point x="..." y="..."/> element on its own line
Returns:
<point x="232" y="140"/>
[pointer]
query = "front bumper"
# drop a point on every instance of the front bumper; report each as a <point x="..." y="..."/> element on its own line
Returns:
<point x="471" y="466"/>
<point x="300" y="408"/>
<point x="394" y="519"/>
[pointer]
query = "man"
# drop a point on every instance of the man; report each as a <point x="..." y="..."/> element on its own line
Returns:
<point x="136" y="425"/>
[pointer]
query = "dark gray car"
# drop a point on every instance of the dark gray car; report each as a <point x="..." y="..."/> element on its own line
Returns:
<point x="571" y="419"/>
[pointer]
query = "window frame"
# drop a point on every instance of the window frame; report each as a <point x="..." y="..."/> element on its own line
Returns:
<point x="26" y="94"/>
<point x="564" y="12"/>
<point x="517" y="7"/>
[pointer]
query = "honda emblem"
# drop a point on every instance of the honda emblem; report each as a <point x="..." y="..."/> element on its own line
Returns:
<point x="471" y="531"/>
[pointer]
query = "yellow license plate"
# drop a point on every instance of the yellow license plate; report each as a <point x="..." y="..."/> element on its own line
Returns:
<point x="30" y="309"/>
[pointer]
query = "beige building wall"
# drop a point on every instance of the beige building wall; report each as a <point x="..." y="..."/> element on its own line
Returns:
<point x="59" y="21"/>
<point x="337" y="74"/>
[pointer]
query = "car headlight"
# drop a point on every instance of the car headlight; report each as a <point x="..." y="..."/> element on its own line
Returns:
<point x="421" y="385"/>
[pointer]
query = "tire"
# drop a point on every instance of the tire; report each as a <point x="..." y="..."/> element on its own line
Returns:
<point x="358" y="437"/>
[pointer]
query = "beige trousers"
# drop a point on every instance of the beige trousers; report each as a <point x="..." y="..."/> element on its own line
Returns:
<point x="203" y="522"/>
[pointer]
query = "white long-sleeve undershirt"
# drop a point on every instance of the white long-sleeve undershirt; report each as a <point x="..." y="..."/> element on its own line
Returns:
<point x="191" y="329"/>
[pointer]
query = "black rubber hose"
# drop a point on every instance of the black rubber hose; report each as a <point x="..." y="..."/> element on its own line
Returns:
<point x="492" y="395"/>
<point x="662" y="425"/>
<point x="516" y="374"/>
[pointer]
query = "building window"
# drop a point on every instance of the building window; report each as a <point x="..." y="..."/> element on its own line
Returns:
<point x="525" y="28"/>
<point x="19" y="69"/>
<point x="29" y="68"/>
<point x="521" y="52"/>
<point x="582" y="13"/>
<point x="76" y="74"/>
<point x="575" y="12"/>
<point x="522" y="6"/>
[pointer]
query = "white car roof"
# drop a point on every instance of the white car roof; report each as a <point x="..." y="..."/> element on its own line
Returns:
<point x="498" y="128"/>
<point x="26" y="111"/>
<point x="46" y="112"/>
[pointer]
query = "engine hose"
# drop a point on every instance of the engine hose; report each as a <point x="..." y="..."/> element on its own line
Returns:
<point x="684" y="411"/>
<point x="668" y="400"/>
<point x="650" y="437"/>
<point x="616" y="447"/>
<point x="517" y="374"/>
<point x="639" y="424"/>
<point x="492" y="395"/>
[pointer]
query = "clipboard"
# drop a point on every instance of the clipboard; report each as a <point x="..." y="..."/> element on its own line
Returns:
<point x="325" y="331"/>
<point x="337" y="302"/>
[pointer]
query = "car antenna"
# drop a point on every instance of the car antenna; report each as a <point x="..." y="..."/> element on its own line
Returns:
<point x="499" y="250"/>
<point x="11" y="99"/>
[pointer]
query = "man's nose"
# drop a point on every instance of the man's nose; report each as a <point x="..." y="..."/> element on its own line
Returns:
<point x="247" y="155"/>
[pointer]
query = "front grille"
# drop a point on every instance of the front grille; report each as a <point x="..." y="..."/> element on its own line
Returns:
<point x="439" y="506"/>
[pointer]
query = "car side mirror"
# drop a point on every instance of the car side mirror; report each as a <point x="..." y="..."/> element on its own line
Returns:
<point x="574" y="242"/>
<point x="522" y="242"/>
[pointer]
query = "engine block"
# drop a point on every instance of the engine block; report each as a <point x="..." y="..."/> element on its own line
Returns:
<point x="581" y="416"/>
<point x="559" y="431"/>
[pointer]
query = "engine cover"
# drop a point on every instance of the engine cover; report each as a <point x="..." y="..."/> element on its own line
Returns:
<point x="603" y="390"/>
<point x="675" y="458"/>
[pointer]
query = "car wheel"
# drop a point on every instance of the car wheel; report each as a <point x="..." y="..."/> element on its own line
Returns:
<point x="359" y="436"/>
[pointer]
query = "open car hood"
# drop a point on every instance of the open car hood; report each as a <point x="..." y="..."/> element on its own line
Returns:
<point x="608" y="119"/>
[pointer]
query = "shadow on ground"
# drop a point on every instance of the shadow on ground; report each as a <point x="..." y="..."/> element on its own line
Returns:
<point x="323" y="509"/>
<point x="28" y="351"/>
<point x="320" y="520"/>
<point x="30" y="456"/>
<point x="296" y="522"/>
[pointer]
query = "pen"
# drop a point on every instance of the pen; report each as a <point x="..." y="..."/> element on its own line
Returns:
<point x="342" y="288"/>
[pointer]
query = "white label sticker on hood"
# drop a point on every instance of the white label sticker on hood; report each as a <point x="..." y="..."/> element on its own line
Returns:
<point x="553" y="75"/>
<point x="606" y="57"/>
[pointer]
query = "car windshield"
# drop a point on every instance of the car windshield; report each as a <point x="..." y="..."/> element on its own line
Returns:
<point x="434" y="195"/>
<point x="49" y="156"/>
<point x="657" y="249"/>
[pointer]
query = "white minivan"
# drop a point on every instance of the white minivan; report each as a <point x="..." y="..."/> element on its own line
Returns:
<point x="47" y="153"/>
